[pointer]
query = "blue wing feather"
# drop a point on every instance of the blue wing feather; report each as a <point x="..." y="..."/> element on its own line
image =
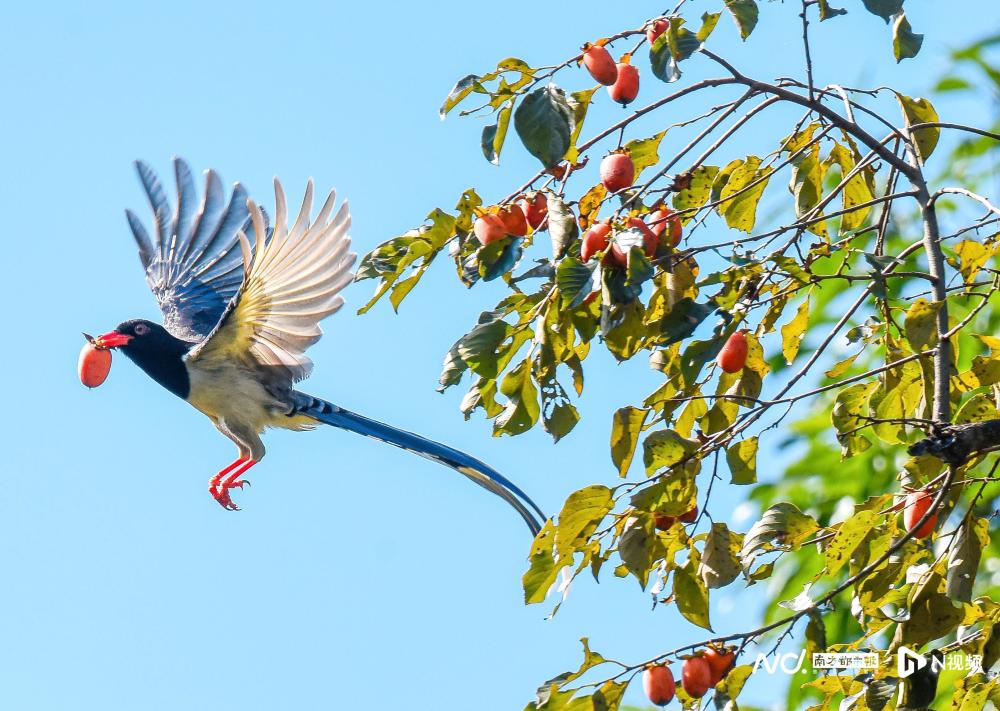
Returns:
<point x="193" y="261"/>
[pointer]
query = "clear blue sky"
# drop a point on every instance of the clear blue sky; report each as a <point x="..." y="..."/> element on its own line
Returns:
<point x="356" y="576"/>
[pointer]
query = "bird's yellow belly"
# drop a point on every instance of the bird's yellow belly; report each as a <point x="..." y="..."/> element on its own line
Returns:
<point x="229" y="395"/>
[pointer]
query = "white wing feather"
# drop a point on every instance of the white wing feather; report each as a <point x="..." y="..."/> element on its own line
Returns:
<point x="291" y="282"/>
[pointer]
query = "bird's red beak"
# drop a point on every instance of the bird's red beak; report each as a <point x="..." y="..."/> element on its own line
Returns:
<point x="111" y="340"/>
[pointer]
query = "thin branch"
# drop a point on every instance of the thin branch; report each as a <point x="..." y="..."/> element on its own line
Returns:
<point x="967" y="193"/>
<point x="698" y="86"/>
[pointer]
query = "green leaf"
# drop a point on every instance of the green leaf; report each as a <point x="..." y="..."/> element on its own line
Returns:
<point x="621" y="324"/>
<point x="971" y="694"/>
<point x="559" y="415"/>
<point x="850" y="534"/>
<point x="693" y="411"/>
<point x="931" y="616"/>
<point x="579" y="101"/>
<point x="744" y="13"/>
<point x="729" y="688"/>
<point x="638" y="269"/>
<point x="453" y="369"/>
<point x="522" y="410"/>
<point x="390" y="259"/>
<point x="563" y="228"/>
<point x="544" y="122"/>
<point x="635" y="548"/>
<point x="952" y="84"/>
<point x="664" y="449"/>
<point x="920" y="325"/>
<point x="793" y="331"/>
<point x="542" y="569"/>
<point x="849" y="408"/>
<point x="739" y="205"/>
<point x="698" y="190"/>
<point x="964" y="555"/>
<point x="465" y="86"/>
<point x="683" y="42"/>
<point x="719" y="562"/>
<point x="625" y="429"/>
<point x="722" y="178"/>
<point x="662" y="60"/>
<point x="916" y="111"/>
<point x="978" y="408"/>
<point x="742" y="460"/>
<point x="643" y="151"/>
<point x="898" y="399"/>
<point x="708" y="22"/>
<point x="495" y="134"/>
<point x="783" y="524"/>
<point x="590" y="205"/>
<point x="575" y="281"/>
<point x="580" y="516"/>
<point x="682" y="320"/>
<point x="497" y="258"/>
<point x="673" y="495"/>
<point x="826" y="10"/>
<point x="884" y="8"/>
<point x="691" y="597"/>
<point x="478" y="349"/>
<point x="972" y="257"/>
<point x="856" y="191"/>
<point x="905" y="42"/>
<point x="807" y="186"/>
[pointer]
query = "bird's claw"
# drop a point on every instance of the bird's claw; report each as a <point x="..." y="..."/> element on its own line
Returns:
<point x="220" y="492"/>
<point x="221" y="495"/>
<point x="229" y="478"/>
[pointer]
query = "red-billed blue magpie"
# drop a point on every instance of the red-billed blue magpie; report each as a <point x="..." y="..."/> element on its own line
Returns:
<point x="241" y="303"/>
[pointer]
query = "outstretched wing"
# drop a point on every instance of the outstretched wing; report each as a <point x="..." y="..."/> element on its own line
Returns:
<point x="290" y="283"/>
<point x="193" y="261"/>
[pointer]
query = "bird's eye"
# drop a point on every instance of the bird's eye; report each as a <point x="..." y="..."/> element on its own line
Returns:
<point x="141" y="329"/>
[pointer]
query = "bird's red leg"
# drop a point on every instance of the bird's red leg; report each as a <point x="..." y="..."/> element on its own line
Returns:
<point x="233" y="480"/>
<point x="219" y="485"/>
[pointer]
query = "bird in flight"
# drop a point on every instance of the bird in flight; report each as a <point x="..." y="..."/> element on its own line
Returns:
<point x="241" y="303"/>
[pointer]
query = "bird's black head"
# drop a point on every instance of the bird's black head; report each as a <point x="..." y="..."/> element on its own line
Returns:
<point x="154" y="349"/>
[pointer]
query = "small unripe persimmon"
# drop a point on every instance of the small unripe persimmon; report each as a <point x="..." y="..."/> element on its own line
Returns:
<point x="617" y="171"/>
<point x="663" y="219"/>
<point x="489" y="228"/>
<point x="514" y="220"/>
<point x="696" y="677"/>
<point x="535" y="209"/>
<point x="656" y="28"/>
<point x="658" y="683"/>
<point x="626" y="86"/>
<point x="599" y="63"/>
<point x="733" y="355"/>
<point x="595" y="240"/>
<point x="917" y="504"/>
<point x="720" y="662"/>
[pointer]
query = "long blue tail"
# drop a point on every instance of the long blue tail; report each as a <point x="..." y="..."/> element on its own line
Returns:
<point x="478" y="472"/>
